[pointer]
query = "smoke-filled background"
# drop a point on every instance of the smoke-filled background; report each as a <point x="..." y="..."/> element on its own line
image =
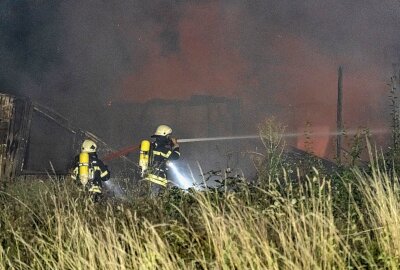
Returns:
<point x="278" y="56"/>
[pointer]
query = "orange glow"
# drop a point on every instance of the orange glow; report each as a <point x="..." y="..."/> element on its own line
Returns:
<point x="205" y="64"/>
<point x="317" y="145"/>
<point x="300" y="76"/>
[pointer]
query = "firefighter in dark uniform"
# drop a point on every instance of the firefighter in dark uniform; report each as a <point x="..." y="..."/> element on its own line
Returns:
<point x="163" y="149"/>
<point x="89" y="170"/>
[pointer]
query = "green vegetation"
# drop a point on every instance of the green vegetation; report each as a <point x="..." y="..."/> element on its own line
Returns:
<point x="284" y="219"/>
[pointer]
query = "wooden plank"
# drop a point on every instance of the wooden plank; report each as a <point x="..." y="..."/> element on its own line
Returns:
<point x="6" y="112"/>
<point x="25" y="110"/>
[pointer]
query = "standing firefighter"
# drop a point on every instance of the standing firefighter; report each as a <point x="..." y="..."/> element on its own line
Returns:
<point x="89" y="170"/>
<point x="154" y="156"/>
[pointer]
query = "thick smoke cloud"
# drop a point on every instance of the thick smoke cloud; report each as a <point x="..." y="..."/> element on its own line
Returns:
<point x="278" y="53"/>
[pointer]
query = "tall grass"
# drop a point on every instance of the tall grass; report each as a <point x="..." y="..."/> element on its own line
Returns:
<point x="379" y="213"/>
<point x="219" y="231"/>
<point x="282" y="224"/>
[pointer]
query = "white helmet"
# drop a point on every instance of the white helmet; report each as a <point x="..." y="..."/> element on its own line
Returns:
<point x="89" y="146"/>
<point x="163" y="130"/>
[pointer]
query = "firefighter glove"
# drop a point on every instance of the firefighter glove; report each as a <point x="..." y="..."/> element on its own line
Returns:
<point x="174" y="143"/>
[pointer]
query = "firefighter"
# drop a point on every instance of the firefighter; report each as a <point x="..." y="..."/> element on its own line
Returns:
<point x="89" y="170"/>
<point x="163" y="149"/>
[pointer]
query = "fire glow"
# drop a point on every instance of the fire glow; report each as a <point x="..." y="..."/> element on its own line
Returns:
<point x="214" y="55"/>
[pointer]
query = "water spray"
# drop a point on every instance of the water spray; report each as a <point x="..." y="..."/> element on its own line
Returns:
<point x="115" y="188"/>
<point x="183" y="182"/>
<point x="284" y="135"/>
<point x="218" y="138"/>
<point x="129" y="149"/>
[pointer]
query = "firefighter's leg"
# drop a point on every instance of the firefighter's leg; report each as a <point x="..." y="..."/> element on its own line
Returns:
<point x="95" y="192"/>
<point x="157" y="179"/>
<point x="158" y="183"/>
<point x="155" y="190"/>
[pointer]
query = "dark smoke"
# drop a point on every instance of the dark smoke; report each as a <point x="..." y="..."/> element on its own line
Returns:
<point x="279" y="56"/>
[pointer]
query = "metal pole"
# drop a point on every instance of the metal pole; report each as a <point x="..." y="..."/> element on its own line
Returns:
<point x="339" y="124"/>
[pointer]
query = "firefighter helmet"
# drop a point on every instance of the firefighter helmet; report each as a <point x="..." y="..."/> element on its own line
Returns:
<point x="163" y="130"/>
<point x="89" y="146"/>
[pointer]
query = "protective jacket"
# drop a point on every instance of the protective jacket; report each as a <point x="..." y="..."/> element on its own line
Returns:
<point x="98" y="172"/>
<point x="162" y="151"/>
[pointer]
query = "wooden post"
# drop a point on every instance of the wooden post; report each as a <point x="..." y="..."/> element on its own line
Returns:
<point x="339" y="124"/>
<point x="15" y="119"/>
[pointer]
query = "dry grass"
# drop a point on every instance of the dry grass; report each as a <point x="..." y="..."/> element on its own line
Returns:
<point x="50" y="225"/>
<point x="224" y="233"/>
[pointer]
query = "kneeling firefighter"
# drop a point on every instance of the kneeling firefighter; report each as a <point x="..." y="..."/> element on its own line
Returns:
<point x="89" y="170"/>
<point x="154" y="156"/>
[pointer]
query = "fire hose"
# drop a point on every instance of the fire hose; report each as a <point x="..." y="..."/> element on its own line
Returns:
<point x="129" y="149"/>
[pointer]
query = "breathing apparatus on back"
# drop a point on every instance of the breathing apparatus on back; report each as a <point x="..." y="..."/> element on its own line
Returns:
<point x="86" y="173"/>
<point x="145" y="158"/>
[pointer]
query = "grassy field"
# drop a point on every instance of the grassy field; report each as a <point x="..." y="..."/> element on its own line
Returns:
<point x="349" y="222"/>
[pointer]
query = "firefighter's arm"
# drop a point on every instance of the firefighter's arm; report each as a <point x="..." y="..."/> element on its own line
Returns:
<point x="104" y="172"/>
<point x="75" y="168"/>
<point x="175" y="154"/>
<point x="74" y="173"/>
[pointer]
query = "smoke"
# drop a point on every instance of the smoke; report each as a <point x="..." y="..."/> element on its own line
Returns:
<point x="78" y="56"/>
<point x="203" y="60"/>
